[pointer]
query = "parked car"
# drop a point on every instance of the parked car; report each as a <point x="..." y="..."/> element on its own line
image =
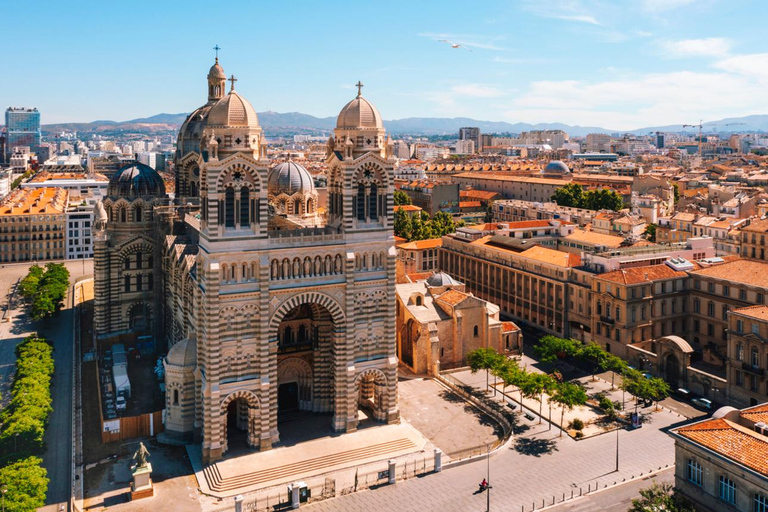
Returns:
<point x="683" y="393"/>
<point x="120" y="404"/>
<point x="647" y="375"/>
<point x="702" y="403"/>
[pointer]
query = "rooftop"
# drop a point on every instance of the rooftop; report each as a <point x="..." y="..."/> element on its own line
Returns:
<point x="757" y="312"/>
<point x="453" y="297"/>
<point x="419" y="245"/>
<point x="637" y="275"/>
<point x="509" y="177"/>
<point x="31" y="201"/>
<point x="407" y="208"/>
<point x="553" y="257"/>
<point x="738" y="271"/>
<point x="592" y="238"/>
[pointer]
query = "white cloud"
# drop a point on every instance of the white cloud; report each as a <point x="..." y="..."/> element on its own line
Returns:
<point x="568" y="10"/>
<point x="476" y="91"/>
<point x="657" y="6"/>
<point x="637" y="101"/>
<point x="707" y="47"/>
<point x="754" y="66"/>
<point x="464" y="40"/>
<point x="584" y="18"/>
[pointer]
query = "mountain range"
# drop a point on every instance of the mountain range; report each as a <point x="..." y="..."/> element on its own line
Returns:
<point x="296" y="122"/>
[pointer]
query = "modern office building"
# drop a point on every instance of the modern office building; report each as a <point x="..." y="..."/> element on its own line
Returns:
<point x="22" y="127"/>
<point x="473" y="134"/>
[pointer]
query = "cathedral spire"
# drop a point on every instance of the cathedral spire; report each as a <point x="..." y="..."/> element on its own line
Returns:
<point x="217" y="80"/>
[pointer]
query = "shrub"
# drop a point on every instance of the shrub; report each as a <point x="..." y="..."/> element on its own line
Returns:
<point x="577" y="424"/>
<point x="27" y="484"/>
<point x="579" y="434"/>
<point x="605" y="403"/>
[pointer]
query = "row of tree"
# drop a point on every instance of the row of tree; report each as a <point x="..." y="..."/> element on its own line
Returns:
<point x="575" y="196"/>
<point x="531" y="385"/>
<point x="420" y="226"/>
<point x="22" y="427"/>
<point x="44" y="289"/>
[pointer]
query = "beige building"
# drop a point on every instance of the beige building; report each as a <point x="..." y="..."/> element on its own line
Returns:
<point x="32" y="225"/>
<point x="748" y="355"/>
<point x="511" y="186"/>
<point x="419" y="255"/>
<point x="439" y="323"/>
<point x="267" y="307"/>
<point x="721" y="463"/>
<point x="753" y="244"/>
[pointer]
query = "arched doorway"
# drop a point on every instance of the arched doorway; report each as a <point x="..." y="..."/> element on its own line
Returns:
<point x="140" y="316"/>
<point x="240" y="421"/>
<point x="370" y="395"/>
<point x="407" y="338"/>
<point x="672" y="370"/>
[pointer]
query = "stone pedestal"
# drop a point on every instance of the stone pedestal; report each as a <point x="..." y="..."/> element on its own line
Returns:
<point x="438" y="460"/>
<point x="141" y="487"/>
<point x="392" y="476"/>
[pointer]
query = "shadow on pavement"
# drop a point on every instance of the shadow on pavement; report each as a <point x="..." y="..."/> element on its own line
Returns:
<point x="535" y="447"/>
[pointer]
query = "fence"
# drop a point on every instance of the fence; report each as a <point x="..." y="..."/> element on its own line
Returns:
<point x="132" y="427"/>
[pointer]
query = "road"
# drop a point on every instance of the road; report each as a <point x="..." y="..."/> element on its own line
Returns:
<point x="58" y="437"/>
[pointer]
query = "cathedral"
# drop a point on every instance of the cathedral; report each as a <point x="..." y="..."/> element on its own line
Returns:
<point x="266" y="302"/>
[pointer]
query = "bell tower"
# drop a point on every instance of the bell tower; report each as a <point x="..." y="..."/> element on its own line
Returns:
<point x="217" y="80"/>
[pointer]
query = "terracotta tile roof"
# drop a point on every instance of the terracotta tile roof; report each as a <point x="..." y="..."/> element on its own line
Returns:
<point x="509" y="177"/>
<point x="483" y="195"/>
<point x="470" y="204"/>
<point x="527" y="224"/>
<point x="407" y="208"/>
<point x="419" y="276"/>
<point x="590" y="237"/>
<point x="453" y="297"/>
<point x="489" y="226"/>
<point x="758" y="312"/>
<point x="748" y="272"/>
<point x="546" y="255"/>
<point x="756" y="414"/>
<point x="400" y="240"/>
<point x="31" y="201"/>
<point x="731" y="440"/>
<point x="637" y="275"/>
<point x="419" y="245"/>
<point x="757" y="226"/>
<point x="509" y="327"/>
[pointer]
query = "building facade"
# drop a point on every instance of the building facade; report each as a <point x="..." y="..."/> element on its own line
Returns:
<point x="267" y="309"/>
<point x="32" y="225"/>
<point x="22" y="128"/>
<point x="748" y="356"/>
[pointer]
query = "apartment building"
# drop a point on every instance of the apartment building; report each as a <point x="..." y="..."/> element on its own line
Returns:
<point x="32" y="225"/>
<point x="512" y="210"/>
<point x="753" y="240"/>
<point x="419" y="255"/>
<point x="748" y="356"/>
<point x="510" y="186"/>
<point x="721" y="463"/>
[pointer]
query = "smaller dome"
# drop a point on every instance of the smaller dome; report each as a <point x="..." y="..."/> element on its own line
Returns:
<point x="183" y="353"/>
<point x="359" y="113"/>
<point x="289" y="178"/>
<point x="233" y="110"/>
<point x="136" y="180"/>
<point x="441" y="279"/>
<point x="217" y="71"/>
<point x="556" y="167"/>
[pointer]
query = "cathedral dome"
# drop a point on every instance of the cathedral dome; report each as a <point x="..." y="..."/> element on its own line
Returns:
<point x="233" y="110"/>
<point x="136" y="180"/>
<point x="289" y="178"/>
<point x="556" y="167"/>
<point x="359" y="113"/>
<point x="183" y="353"/>
<point x="217" y="71"/>
<point x="439" y="279"/>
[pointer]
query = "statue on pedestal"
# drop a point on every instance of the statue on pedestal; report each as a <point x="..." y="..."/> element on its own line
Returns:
<point x="142" y="482"/>
<point x="141" y="457"/>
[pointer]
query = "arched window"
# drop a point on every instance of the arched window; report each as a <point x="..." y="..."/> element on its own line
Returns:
<point x="418" y="300"/>
<point x="245" y="203"/>
<point x="477" y="331"/>
<point x="373" y="203"/>
<point x="361" y="202"/>
<point x="175" y="397"/>
<point x="137" y="213"/>
<point x="229" y="207"/>
<point x="122" y="214"/>
<point x="127" y="283"/>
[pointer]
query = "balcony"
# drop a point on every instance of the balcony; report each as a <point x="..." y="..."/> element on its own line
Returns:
<point x="752" y="369"/>
<point x="607" y="320"/>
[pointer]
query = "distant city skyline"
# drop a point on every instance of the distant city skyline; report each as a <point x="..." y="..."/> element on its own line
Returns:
<point x="620" y="65"/>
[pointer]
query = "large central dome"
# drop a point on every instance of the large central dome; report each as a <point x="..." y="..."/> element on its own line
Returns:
<point x="359" y="113"/>
<point x="233" y="110"/>
<point x="289" y="178"/>
<point x="136" y="180"/>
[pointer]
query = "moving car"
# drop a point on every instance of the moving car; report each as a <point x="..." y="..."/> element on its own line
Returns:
<point x="702" y="403"/>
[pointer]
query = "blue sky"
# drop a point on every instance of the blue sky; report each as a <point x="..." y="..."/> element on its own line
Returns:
<point x="619" y="64"/>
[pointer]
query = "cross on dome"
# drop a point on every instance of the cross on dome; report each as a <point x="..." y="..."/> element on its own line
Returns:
<point x="232" y="79"/>
<point x="217" y="48"/>
<point x="359" y="86"/>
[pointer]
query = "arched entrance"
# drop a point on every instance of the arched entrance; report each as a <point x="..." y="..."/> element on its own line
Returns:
<point x="408" y="334"/>
<point x="140" y="316"/>
<point x="239" y="416"/>
<point x="307" y="331"/>
<point x="370" y="395"/>
<point x="672" y="370"/>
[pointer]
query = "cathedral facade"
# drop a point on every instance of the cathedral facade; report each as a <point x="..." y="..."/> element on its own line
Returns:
<point x="266" y="305"/>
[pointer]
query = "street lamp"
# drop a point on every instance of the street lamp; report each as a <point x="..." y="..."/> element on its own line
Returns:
<point x="617" y="448"/>
<point x="488" y="479"/>
<point x="3" y="490"/>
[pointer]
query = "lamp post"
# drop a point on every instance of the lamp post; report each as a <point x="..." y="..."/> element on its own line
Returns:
<point x="488" y="479"/>
<point x="617" y="448"/>
<point x="3" y="490"/>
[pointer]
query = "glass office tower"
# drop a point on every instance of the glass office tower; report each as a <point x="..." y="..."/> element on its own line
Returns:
<point x="22" y="127"/>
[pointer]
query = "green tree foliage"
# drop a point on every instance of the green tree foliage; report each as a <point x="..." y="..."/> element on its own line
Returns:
<point x="650" y="232"/>
<point x="403" y="226"/>
<point x="485" y="359"/>
<point x="676" y="192"/>
<point x="573" y="194"/>
<point x="23" y="421"/>
<point x="568" y="395"/>
<point x="27" y="484"/>
<point x="401" y="198"/>
<point x="596" y="355"/>
<point x="569" y="195"/>
<point x="550" y="348"/>
<point x="421" y="227"/>
<point x="45" y="290"/>
<point x="661" y="498"/>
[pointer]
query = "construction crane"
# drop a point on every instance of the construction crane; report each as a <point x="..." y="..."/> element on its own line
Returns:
<point x="700" y="125"/>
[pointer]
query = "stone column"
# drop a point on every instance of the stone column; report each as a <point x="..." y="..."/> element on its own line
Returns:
<point x="438" y="460"/>
<point x="239" y="503"/>
<point x="392" y="465"/>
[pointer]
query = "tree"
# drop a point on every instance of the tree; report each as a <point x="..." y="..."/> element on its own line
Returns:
<point x="484" y="359"/>
<point x="602" y="199"/>
<point x="29" y="284"/>
<point x="401" y="198"/>
<point x="27" y="484"/>
<point x="595" y="354"/>
<point x="550" y="348"/>
<point x="661" y="498"/>
<point x="650" y="232"/>
<point x="533" y="388"/>
<point x="403" y="226"/>
<point x="569" y="195"/>
<point x="615" y="365"/>
<point x="676" y="192"/>
<point x="568" y="395"/>
<point x="442" y="224"/>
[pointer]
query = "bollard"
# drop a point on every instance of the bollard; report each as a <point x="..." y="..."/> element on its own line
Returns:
<point x="295" y="500"/>
<point x="392" y="471"/>
<point x="239" y="503"/>
<point x="438" y="460"/>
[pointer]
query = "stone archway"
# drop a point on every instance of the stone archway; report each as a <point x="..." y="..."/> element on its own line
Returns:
<point x="295" y="382"/>
<point x="672" y="370"/>
<point x="370" y="394"/>
<point x="247" y="412"/>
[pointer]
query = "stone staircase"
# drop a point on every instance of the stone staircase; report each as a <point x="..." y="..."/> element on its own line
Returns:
<point x="288" y="472"/>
